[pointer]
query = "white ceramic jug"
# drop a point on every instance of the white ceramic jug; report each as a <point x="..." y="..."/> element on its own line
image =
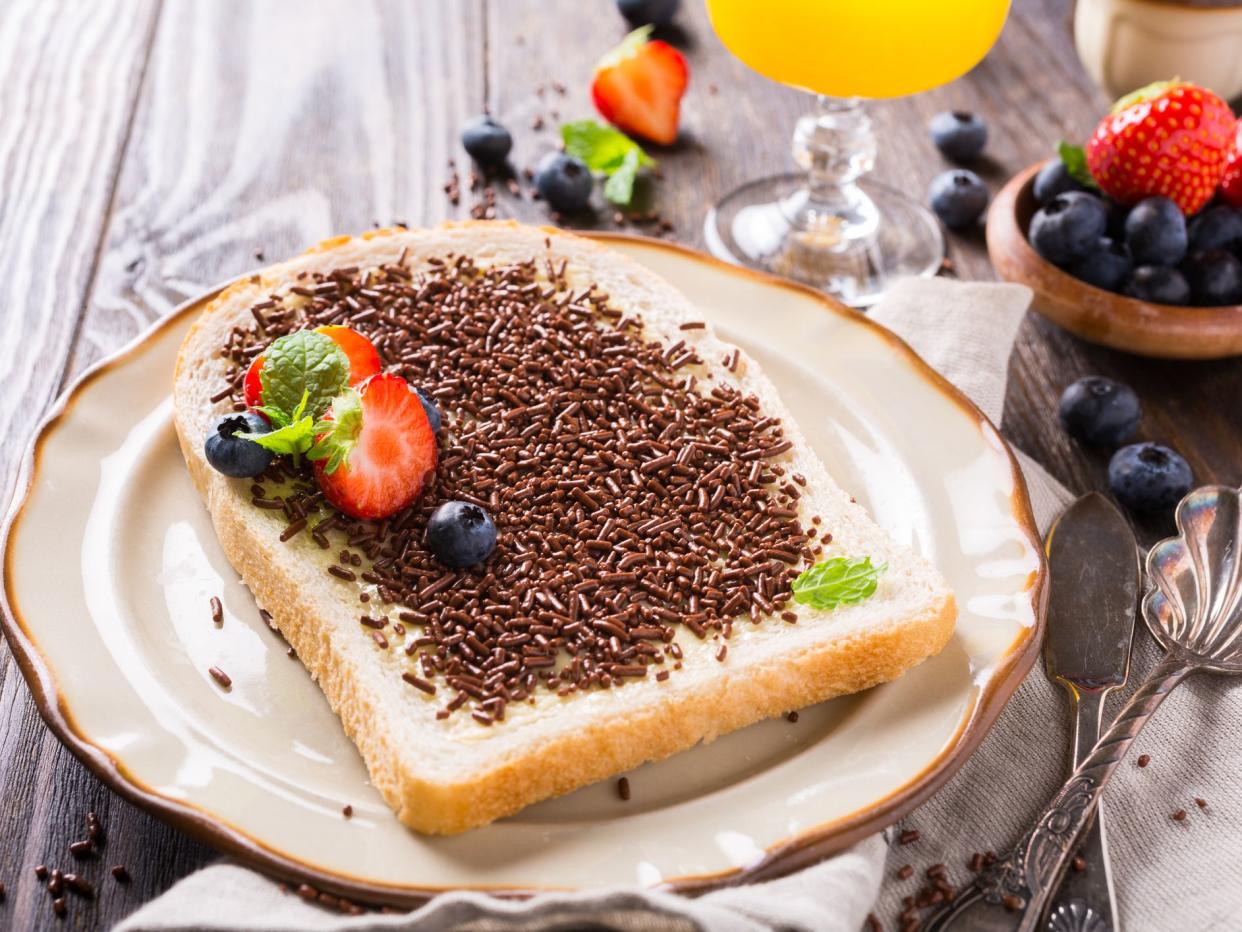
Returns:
<point x="1125" y="44"/>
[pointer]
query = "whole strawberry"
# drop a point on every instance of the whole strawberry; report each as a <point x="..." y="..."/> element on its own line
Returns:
<point x="1169" y="138"/>
<point x="1231" y="183"/>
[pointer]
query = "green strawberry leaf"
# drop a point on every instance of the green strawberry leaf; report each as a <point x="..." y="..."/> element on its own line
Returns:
<point x="839" y="581"/>
<point x="339" y="434"/>
<point x="1075" y="159"/>
<point x="608" y="150"/>
<point x="302" y="368"/>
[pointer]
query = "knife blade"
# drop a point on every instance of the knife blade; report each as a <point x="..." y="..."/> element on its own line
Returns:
<point x="1094" y="577"/>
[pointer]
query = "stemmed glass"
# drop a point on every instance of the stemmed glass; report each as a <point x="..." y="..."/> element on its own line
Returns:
<point x="825" y="226"/>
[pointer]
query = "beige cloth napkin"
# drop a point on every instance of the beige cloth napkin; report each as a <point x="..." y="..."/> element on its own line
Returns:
<point x="1168" y="874"/>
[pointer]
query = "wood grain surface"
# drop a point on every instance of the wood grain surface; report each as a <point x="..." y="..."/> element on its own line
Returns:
<point x="149" y="149"/>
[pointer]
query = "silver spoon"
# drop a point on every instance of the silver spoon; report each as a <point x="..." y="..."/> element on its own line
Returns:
<point x="1194" y="611"/>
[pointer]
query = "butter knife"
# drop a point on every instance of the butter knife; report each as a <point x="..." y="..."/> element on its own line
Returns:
<point x="1094" y="575"/>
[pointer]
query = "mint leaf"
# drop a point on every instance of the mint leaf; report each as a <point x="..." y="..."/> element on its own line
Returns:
<point x="608" y="150"/>
<point x="602" y="148"/>
<point x="1075" y="159"/>
<point x="293" y="439"/>
<point x="339" y="435"/>
<point x="305" y="368"/>
<point x="619" y="188"/>
<point x="839" y="581"/>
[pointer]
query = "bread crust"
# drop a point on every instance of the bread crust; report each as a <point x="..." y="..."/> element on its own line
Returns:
<point x="534" y="762"/>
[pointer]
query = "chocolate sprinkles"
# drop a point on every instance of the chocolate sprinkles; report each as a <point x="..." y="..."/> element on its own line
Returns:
<point x="632" y="501"/>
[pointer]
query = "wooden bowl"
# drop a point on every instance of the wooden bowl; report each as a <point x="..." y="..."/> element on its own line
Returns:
<point x="1166" y="331"/>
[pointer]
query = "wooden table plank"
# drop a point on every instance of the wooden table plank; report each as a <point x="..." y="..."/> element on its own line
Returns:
<point x="69" y="79"/>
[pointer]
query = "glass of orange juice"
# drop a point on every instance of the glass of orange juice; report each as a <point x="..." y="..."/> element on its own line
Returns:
<point x="822" y="226"/>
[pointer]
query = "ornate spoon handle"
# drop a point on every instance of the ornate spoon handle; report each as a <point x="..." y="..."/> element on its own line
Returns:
<point x="1012" y="893"/>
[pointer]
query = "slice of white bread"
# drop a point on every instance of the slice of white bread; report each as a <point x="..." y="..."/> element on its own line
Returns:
<point x="449" y="775"/>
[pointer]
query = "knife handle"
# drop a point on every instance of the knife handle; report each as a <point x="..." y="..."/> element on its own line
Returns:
<point x="1086" y="899"/>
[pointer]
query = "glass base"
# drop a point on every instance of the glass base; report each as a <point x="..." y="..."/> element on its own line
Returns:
<point x="758" y="226"/>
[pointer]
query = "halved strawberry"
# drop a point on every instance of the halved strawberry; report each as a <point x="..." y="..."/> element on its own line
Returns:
<point x="1168" y="138"/>
<point x="252" y="387"/>
<point x="638" y="86"/>
<point x="381" y="452"/>
<point x="364" y="361"/>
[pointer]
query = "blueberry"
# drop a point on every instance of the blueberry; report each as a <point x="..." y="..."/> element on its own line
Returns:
<point x="1149" y="477"/>
<point x="1157" y="284"/>
<point x="1156" y="232"/>
<point x="1053" y="179"/>
<point x="958" y="197"/>
<point x="1105" y="266"/>
<point x="1215" y="277"/>
<point x="1098" y="410"/>
<point x="642" y="12"/>
<point x="564" y="182"/>
<point x="1217" y="227"/>
<point x="487" y="141"/>
<point x="461" y="534"/>
<point x="958" y="135"/>
<point x="430" y="409"/>
<point x="233" y="456"/>
<point x="1068" y="226"/>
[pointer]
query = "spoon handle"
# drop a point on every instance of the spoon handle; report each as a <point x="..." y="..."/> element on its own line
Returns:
<point x="1012" y="893"/>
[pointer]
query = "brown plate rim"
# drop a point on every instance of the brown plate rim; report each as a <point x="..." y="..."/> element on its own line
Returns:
<point x="793" y="853"/>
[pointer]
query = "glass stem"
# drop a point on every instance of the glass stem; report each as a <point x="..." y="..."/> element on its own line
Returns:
<point x="835" y="146"/>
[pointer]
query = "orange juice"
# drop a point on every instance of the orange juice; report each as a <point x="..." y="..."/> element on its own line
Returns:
<point x="859" y="48"/>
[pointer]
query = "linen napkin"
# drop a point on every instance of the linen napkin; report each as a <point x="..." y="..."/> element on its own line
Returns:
<point x="1163" y="868"/>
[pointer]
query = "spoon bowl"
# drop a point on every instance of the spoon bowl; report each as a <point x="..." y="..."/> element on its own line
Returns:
<point x="1194" y="608"/>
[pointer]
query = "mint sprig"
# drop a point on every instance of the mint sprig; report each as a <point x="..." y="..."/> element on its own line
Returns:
<point x="302" y="368"/>
<point x="607" y="150"/>
<point x="1075" y="159"/>
<point x="839" y="581"/>
<point x="294" y="431"/>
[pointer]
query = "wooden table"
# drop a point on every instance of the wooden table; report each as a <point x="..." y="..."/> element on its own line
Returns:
<point x="149" y="149"/>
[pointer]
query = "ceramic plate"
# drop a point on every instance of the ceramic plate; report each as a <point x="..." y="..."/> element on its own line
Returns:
<point x="111" y="561"/>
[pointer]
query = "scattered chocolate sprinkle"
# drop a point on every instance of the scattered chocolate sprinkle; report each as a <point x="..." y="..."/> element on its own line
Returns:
<point x="792" y="716"/>
<point x="80" y="885"/>
<point x="41" y="871"/>
<point x="307" y="892"/>
<point x="347" y="811"/>
<point x="976" y="862"/>
<point x="623" y="788"/>
<point x="692" y="325"/>
<point x="632" y="502"/>
<point x="220" y="677"/>
<point x="82" y="849"/>
<point x="1144" y="760"/>
<point x="908" y="837"/>
<point x="120" y="873"/>
<point x="906" y="872"/>
<point x="94" y="831"/>
<point x="1079" y="863"/>
<point x="1012" y="903"/>
<point x="1179" y="816"/>
<point x="217" y="611"/>
<point x="56" y="883"/>
<point x="873" y="921"/>
<point x="59" y="907"/>
<point x="1201" y="803"/>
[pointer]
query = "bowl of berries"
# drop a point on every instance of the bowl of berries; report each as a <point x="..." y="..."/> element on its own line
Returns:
<point x="1135" y="240"/>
